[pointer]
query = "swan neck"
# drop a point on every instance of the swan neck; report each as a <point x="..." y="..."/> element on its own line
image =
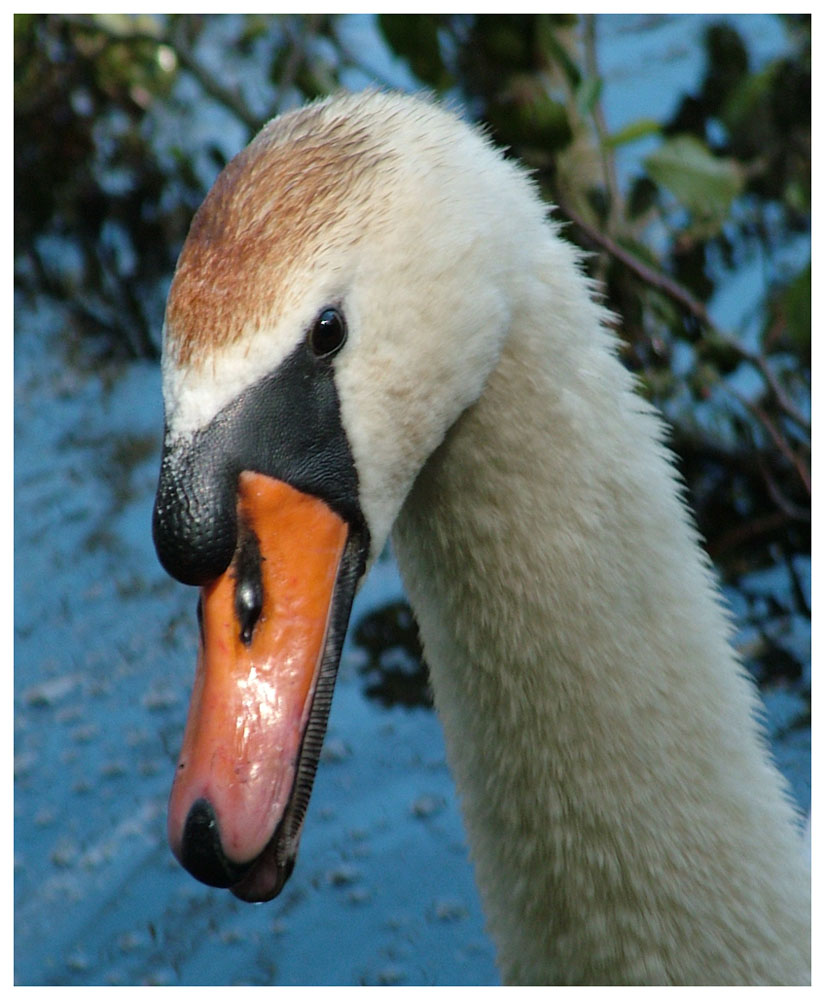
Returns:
<point x="617" y="793"/>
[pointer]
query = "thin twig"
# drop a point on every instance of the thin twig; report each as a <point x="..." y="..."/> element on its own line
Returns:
<point x="778" y="439"/>
<point x="656" y="279"/>
<point x="785" y="404"/>
<point x="690" y="304"/>
<point x="796" y="583"/>
<point x="782" y="502"/>
<point x="298" y="42"/>
<point x="611" y="182"/>
<point x="746" y="532"/>
<point x="229" y="97"/>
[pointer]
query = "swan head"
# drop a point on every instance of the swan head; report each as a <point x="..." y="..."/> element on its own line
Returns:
<point x="342" y="296"/>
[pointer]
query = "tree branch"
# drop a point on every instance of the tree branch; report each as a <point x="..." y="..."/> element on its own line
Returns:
<point x="655" y="279"/>
<point x="746" y="532"/>
<point x="779" y="441"/>
<point x="688" y="303"/>
<point x="229" y="97"/>
<point x="611" y="182"/>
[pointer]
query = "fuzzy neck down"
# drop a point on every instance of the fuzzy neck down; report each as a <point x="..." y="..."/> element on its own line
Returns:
<point x="625" y="821"/>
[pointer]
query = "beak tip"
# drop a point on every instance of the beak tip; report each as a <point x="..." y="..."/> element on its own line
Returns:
<point x="262" y="890"/>
<point x="201" y="852"/>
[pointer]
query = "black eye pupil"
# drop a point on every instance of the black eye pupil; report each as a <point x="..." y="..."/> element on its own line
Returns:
<point x="328" y="333"/>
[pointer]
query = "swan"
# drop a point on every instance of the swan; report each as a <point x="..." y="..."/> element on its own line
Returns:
<point x="375" y="328"/>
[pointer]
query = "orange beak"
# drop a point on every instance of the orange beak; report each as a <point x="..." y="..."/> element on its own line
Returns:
<point x="255" y="724"/>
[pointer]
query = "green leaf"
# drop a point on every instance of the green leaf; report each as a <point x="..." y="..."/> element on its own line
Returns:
<point x="796" y="305"/>
<point x="587" y="93"/>
<point x="124" y="25"/>
<point x="635" y="130"/>
<point x="705" y="184"/>
<point x="553" y="46"/>
<point x="752" y="91"/>
<point x="414" y="37"/>
<point x="531" y="120"/>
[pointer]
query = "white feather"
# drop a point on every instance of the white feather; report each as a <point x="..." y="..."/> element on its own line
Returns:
<point x="625" y="820"/>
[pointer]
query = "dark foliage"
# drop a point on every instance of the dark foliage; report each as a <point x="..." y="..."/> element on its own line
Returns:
<point x="107" y="176"/>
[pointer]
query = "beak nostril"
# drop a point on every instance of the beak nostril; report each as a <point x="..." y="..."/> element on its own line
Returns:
<point x="248" y="607"/>
<point x="249" y="591"/>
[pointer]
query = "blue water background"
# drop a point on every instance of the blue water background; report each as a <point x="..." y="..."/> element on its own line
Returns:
<point x="104" y="653"/>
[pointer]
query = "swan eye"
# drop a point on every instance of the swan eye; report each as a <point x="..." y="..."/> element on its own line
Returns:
<point x="328" y="333"/>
